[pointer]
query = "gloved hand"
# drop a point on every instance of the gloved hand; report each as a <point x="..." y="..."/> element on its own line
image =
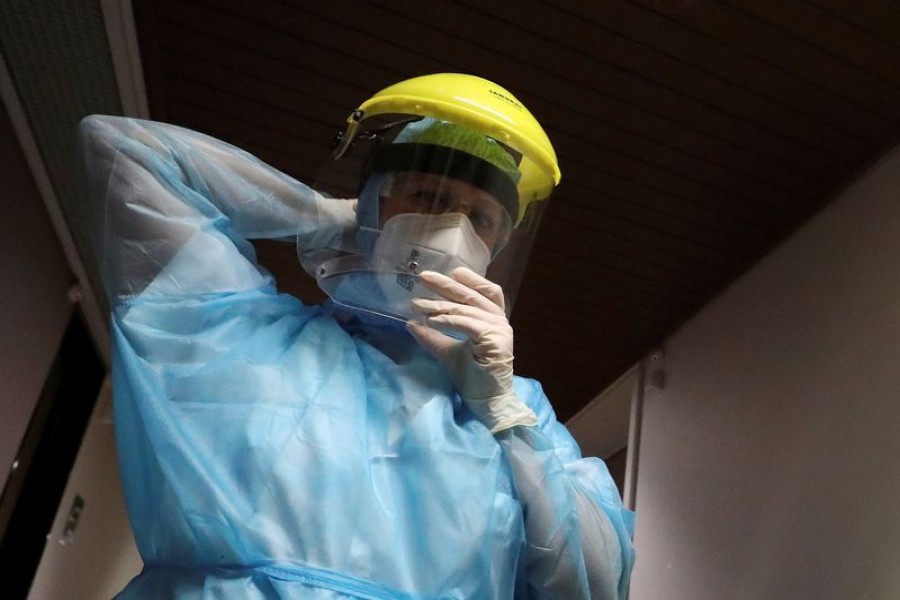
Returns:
<point x="322" y="222"/>
<point x="481" y="366"/>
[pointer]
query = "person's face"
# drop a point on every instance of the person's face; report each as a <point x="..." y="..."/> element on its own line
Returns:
<point x="425" y="193"/>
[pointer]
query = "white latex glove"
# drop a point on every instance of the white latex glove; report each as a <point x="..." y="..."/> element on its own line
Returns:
<point x="321" y="228"/>
<point x="481" y="366"/>
<point x="324" y="220"/>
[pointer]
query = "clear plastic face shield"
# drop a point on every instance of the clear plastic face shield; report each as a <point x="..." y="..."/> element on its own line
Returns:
<point x="429" y="195"/>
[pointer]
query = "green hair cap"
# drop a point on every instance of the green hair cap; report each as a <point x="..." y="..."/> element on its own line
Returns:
<point x="457" y="137"/>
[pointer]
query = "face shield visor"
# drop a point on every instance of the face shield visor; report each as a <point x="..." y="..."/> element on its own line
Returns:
<point x="429" y="195"/>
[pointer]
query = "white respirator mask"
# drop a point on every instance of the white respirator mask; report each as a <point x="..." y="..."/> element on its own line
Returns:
<point x="410" y="243"/>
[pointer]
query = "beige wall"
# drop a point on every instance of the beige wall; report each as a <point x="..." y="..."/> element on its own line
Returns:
<point x="100" y="558"/>
<point x="768" y="466"/>
<point x="34" y="308"/>
<point x="601" y="427"/>
<point x="34" y="311"/>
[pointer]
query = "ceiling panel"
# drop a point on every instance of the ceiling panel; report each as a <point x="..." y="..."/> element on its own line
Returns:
<point x="693" y="135"/>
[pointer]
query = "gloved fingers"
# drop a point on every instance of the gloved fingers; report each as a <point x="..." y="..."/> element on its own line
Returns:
<point x="454" y="291"/>
<point x="482" y="285"/>
<point x="430" y="308"/>
<point x="474" y="328"/>
<point x="435" y="342"/>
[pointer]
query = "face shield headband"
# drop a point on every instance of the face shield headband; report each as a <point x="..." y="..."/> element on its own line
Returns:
<point x="448" y="162"/>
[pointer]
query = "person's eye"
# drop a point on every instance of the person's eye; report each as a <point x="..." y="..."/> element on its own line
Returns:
<point x="483" y="221"/>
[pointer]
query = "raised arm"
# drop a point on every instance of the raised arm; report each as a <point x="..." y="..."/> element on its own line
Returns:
<point x="170" y="210"/>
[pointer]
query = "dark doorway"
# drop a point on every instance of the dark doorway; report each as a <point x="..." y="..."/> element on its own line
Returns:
<point x="33" y="491"/>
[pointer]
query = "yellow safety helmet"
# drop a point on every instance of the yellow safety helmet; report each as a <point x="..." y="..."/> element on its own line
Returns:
<point x="475" y="103"/>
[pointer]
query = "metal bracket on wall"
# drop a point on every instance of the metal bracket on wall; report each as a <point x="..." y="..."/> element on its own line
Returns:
<point x="651" y="379"/>
<point x="655" y="374"/>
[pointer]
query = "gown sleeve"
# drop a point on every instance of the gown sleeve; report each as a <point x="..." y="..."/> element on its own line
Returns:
<point x="578" y="533"/>
<point x="160" y="194"/>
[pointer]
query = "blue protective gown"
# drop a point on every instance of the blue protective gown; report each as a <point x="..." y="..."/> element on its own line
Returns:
<point x="271" y="450"/>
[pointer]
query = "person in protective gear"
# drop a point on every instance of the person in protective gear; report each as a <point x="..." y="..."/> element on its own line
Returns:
<point x="377" y="446"/>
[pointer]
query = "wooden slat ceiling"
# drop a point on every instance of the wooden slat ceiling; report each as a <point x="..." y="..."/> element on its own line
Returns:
<point x="693" y="135"/>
